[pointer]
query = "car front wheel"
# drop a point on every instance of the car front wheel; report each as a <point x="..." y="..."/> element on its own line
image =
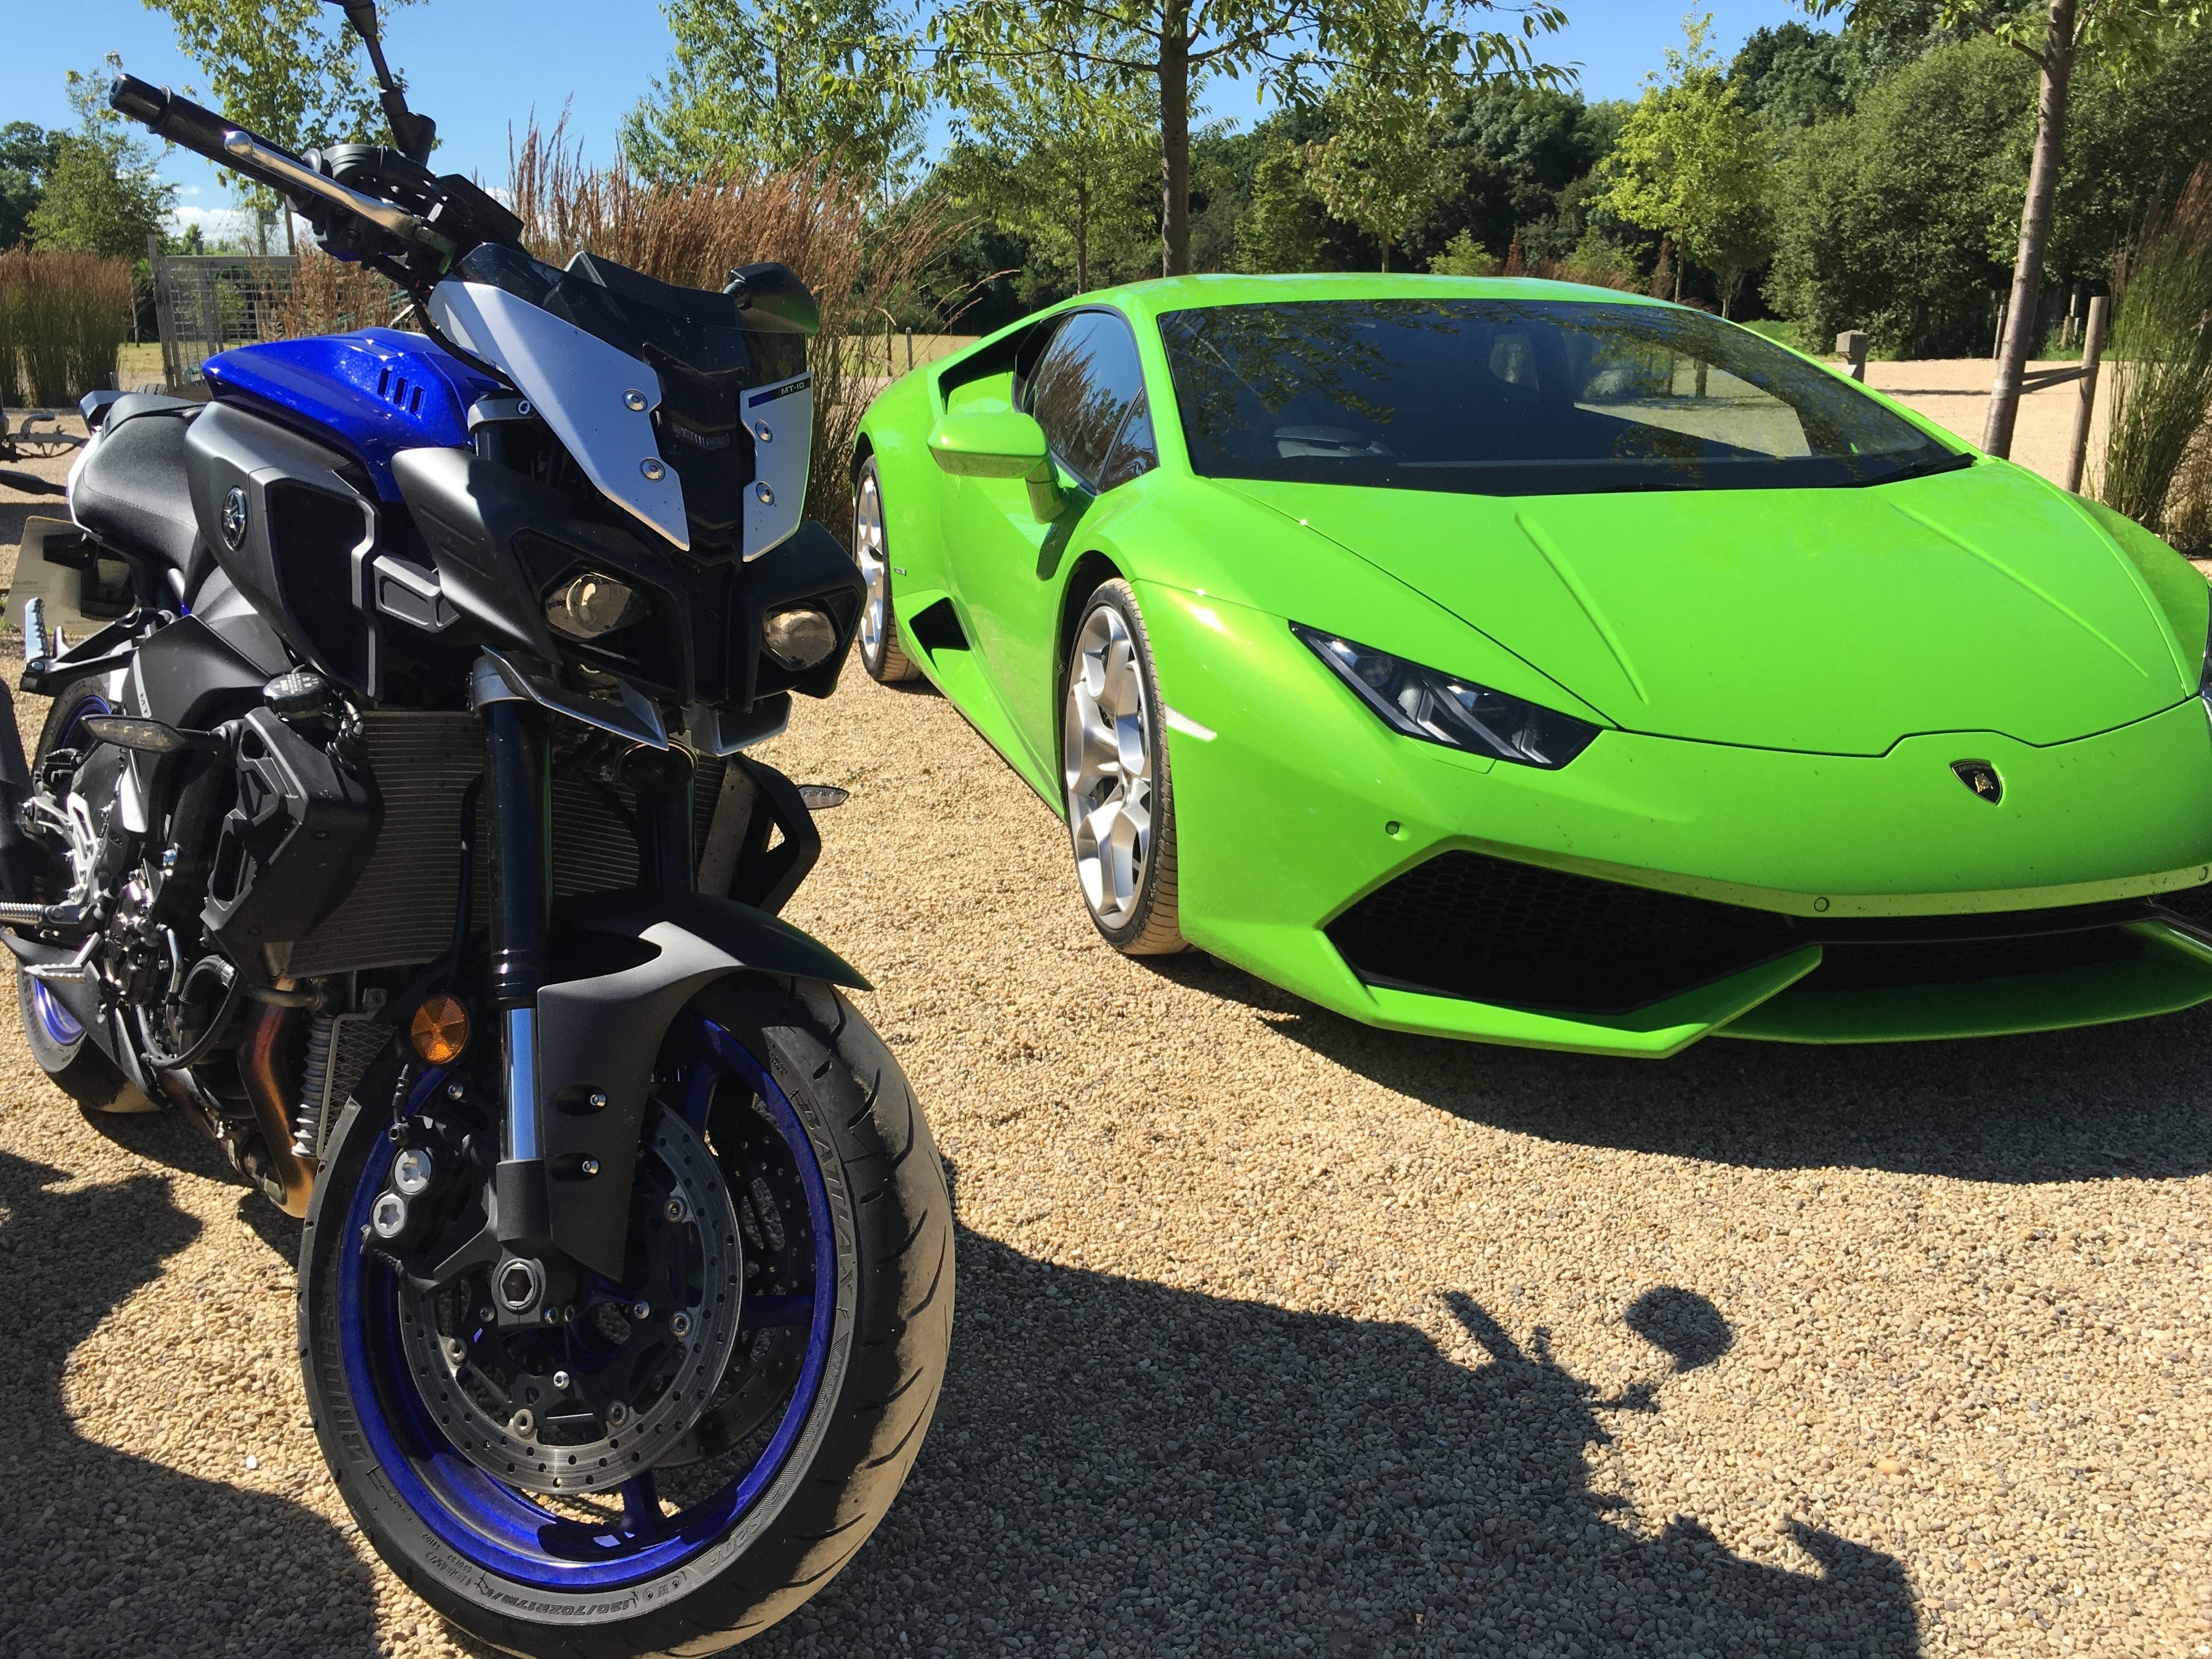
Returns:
<point x="1113" y="755"/>
<point x="881" y="655"/>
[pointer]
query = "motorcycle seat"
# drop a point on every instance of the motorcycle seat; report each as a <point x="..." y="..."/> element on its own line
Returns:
<point x="131" y="491"/>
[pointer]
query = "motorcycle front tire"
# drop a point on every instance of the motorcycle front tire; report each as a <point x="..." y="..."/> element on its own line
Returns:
<point x="891" y="1221"/>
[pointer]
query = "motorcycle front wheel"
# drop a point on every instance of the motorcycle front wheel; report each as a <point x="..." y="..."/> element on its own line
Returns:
<point x="774" y="1106"/>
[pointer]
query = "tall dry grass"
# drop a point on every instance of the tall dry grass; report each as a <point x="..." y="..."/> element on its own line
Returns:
<point x="859" y="258"/>
<point x="2158" y="458"/>
<point x="318" y="295"/>
<point x="63" y="318"/>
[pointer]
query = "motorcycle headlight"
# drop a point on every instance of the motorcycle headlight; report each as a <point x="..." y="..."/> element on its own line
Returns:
<point x="798" y="638"/>
<point x="1440" y="707"/>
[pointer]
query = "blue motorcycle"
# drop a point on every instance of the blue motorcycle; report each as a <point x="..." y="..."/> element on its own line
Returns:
<point x="401" y="833"/>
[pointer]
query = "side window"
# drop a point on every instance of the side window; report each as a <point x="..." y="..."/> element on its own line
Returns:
<point x="1082" y="389"/>
<point x="1134" y="453"/>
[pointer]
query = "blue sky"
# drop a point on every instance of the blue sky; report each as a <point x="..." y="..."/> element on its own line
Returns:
<point x="477" y="66"/>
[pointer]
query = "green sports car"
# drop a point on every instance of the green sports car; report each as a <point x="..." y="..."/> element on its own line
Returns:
<point x="1507" y="659"/>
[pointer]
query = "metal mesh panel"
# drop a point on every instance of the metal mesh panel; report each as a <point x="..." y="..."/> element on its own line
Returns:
<point x="209" y="302"/>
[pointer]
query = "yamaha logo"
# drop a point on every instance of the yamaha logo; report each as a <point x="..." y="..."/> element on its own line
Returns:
<point x="1981" y="778"/>
<point x="234" y="518"/>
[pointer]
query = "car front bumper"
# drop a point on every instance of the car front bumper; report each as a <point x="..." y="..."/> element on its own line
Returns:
<point x="1294" y="805"/>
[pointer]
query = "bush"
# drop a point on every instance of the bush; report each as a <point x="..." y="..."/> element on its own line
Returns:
<point x="1464" y="257"/>
<point x="63" y="318"/>
<point x="858" y="259"/>
<point x="1901" y="218"/>
<point x="2158" y="458"/>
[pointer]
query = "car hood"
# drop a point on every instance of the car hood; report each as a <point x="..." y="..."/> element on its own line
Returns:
<point x="1829" y="621"/>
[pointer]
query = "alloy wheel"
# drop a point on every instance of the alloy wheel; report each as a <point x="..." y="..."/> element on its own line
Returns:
<point x="1108" y="766"/>
<point x="875" y="569"/>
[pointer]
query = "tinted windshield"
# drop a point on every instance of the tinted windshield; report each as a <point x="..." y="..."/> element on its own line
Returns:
<point x="1520" y="398"/>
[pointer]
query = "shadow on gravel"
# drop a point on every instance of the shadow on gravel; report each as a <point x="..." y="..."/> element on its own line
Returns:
<point x="2105" y="1100"/>
<point x="111" y="1553"/>
<point x="1125" y="1468"/>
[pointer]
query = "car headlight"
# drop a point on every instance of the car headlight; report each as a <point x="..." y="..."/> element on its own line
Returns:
<point x="1440" y="707"/>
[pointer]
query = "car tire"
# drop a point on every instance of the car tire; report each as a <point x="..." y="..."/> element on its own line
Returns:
<point x="1121" y="826"/>
<point x="881" y="654"/>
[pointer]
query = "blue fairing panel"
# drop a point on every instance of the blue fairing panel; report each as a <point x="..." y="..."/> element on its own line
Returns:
<point x="376" y="390"/>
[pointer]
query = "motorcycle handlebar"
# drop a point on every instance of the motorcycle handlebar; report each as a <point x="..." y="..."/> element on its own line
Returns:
<point x="204" y="132"/>
<point x="191" y="126"/>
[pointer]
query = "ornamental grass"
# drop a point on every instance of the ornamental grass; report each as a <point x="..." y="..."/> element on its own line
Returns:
<point x="63" y="318"/>
<point x="2158" y="458"/>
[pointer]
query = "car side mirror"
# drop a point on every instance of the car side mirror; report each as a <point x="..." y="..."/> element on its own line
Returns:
<point x="1000" y="444"/>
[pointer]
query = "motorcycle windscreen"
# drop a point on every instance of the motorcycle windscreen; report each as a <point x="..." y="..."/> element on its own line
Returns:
<point x="730" y="399"/>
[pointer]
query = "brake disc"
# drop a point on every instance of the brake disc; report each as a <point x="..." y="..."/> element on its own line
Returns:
<point x="584" y="1405"/>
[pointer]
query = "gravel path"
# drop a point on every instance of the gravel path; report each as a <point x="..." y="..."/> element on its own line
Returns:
<point x="1278" y="1335"/>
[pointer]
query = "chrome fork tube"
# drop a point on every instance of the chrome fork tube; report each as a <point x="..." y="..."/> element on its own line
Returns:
<point x="517" y="775"/>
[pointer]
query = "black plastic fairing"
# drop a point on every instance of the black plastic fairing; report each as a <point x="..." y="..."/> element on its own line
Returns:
<point x="293" y="537"/>
<point x="625" y="964"/>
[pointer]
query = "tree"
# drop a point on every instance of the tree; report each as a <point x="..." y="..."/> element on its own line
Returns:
<point x="1063" y="146"/>
<point x="289" y="69"/>
<point x="2054" y="37"/>
<point x="1378" y="170"/>
<point x="27" y="155"/>
<point x="102" y="193"/>
<point x="1692" y="162"/>
<point x="775" y="83"/>
<point x="1893" y="219"/>
<point x="1794" y="76"/>
<point x="1179" y="46"/>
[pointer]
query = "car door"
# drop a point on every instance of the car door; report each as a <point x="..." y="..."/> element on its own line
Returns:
<point x="1087" y="392"/>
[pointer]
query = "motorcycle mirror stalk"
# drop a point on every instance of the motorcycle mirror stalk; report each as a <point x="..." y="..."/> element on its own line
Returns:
<point x="415" y="135"/>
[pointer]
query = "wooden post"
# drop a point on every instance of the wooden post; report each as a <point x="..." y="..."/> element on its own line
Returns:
<point x="910" y="351"/>
<point x="1851" y="347"/>
<point x="2093" y="348"/>
<point x="1996" y="346"/>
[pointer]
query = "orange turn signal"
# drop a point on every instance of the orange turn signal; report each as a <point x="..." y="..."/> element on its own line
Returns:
<point x="440" y="1030"/>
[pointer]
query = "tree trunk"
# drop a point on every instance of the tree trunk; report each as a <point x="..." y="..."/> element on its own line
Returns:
<point x="1385" y="240"/>
<point x="2034" y="227"/>
<point x="1174" y="140"/>
<point x="1082" y="238"/>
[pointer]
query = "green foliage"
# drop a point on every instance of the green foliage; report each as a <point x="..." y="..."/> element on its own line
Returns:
<point x="1377" y="170"/>
<point x="1693" y="162"/>
<point x="1504" y="155"/>
<point x="1058" y="149"/>
<point x="102" y="193"/>
<point x="27" y="155"/>
<point x="1286" y="47"/>
<point x="290" y="70"/>
<point x="1795" y="76"/>
<point x="1464" y="257"/>
<point x="775" y="84"/>
<point x="1898" y="218"/>
<point x="2130" y="138"/>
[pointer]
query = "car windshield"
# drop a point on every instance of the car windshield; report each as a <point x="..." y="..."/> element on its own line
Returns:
<point x="1520" y="398"/>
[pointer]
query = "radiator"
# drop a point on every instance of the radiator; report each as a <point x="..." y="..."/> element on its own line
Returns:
<point x="400" y="910"/>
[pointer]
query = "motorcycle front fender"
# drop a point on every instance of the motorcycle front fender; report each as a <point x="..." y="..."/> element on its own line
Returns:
<point x="624" y="965"/>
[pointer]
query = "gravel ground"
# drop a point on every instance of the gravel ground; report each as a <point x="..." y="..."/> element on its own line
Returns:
<point x="1278" y="1335"/>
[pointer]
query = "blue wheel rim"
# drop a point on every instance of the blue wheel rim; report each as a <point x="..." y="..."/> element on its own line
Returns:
<point x="62" y="1027"/>
<point x="494" y="1527"/>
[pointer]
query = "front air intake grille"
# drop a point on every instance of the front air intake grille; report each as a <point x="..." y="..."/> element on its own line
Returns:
<point x="1465" y="925"/>
<point x="1958" y="960"/>
<point x="1490" y="930"/>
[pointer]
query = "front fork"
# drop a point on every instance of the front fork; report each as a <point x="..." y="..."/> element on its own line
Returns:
<point x="535" y="1282"/>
